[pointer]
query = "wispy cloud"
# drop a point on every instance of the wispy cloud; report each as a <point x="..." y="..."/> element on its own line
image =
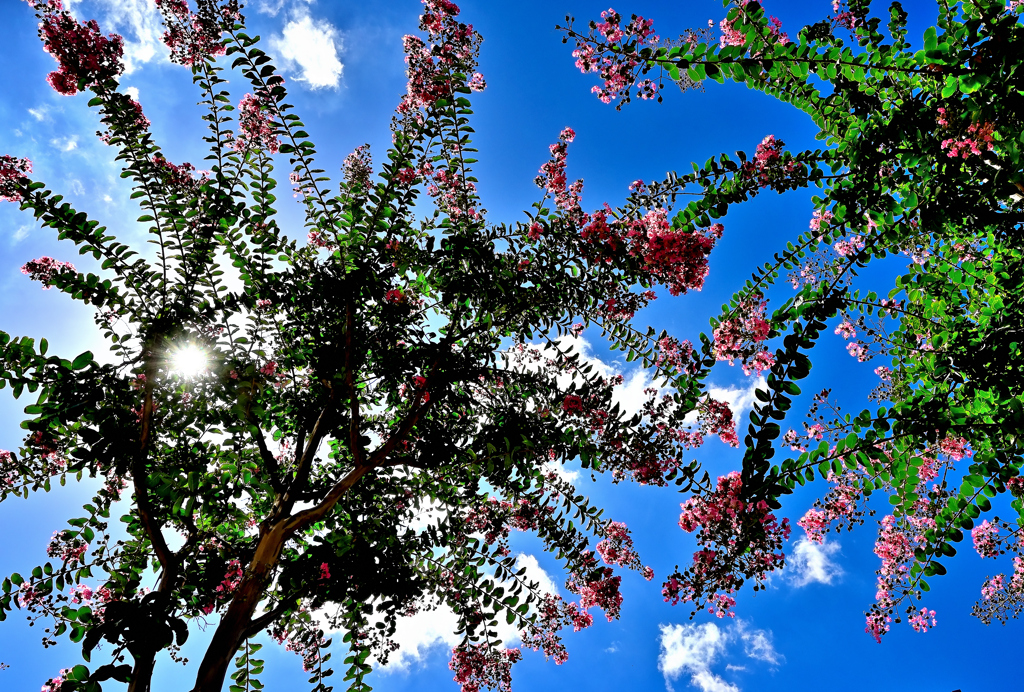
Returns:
<point x="811" y="563"/>
<point x="757" y="644"/>
<point x="65" y="143"/>
<point x="21" y="233"/>
<point x="138" y="21"/>
<point x="692" y="649"/>
<point x="40" y="113"/>
<point x="309" y="49"/>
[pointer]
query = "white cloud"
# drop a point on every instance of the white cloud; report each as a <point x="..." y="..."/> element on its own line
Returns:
<point x="536" y="573"/>
<point x="810" y="563"/>
<point x="564" y="474"/>
<point x="65" y="144"/>
<point x="757" y="644"/>
<point x="41" y="113"/>
<point x="133" y="92"/>
<point x="272" y="7"/>
<point x="418" y="634"/>
<point x="138" y="21"/>
<point x="692" y="649"/>
<point x="22" y="232"/>
<point x="709" y="682"/>
<point x="740" y="399"/>
<point x="108" y="199"/>
<point x="310" y="47"/>
<point x="77" y="187"/>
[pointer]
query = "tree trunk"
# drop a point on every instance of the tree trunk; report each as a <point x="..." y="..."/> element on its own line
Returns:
<point x="142" y="674"/>
<point x="229" y="634"/>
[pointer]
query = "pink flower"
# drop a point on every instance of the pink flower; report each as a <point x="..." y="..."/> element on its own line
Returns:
<point x="819" y="218"/>
<point x="849" y="247"/>
<point x="991" y="588"/>
<point x="46" y="270"/>
<point x="358" y="170"/>
<point x="954" y="447"/>
<point x="477" y="82"/>
<point x="256" y="130"/>
<point x="394" y="296"/>
<point x="846" y="330"/>
<point x="478" y="665"/>
<point x="985" y="537"/>
<point x="196" y="38"/>
<point x="86" y="57"/>
<point x="12" y="172"/>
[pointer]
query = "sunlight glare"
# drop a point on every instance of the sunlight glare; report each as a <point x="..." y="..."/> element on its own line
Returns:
<point x="189" y="361"/>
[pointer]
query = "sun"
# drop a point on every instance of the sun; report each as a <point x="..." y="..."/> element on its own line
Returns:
<point x="189" y="361"/>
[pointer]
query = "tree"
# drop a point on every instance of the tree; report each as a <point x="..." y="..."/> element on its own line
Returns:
<point x="273" y="443"/>
<point x="923" y="160"/>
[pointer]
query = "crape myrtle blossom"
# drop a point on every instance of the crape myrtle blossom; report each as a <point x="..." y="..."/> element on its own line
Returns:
<point x="256" y="129"/>
<point x="195" y="38"/>
<point x="479" y="666"/>
<point x="86" y="57"/>
<point x="13" y="171"/>
<point x="615" y="57"/>
<point x="770" y="167"/>
<point x="677" y="258"/>
<point x="46" y="269"/>
<point x="985" y="538"/>
<point x="841" y="505"/>
<point x="357" y="169"/>
<point x="742" y="335"/>
<point x="56" y="684"/>
<point x="738" y="539"/>
<point x="432" y="67"/>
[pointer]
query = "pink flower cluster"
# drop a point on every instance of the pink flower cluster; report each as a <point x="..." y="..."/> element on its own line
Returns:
<point x="196" y="38"/>
<point x="768" y="167"/>
<point x="496" y="519"/>
<point x="730" y="35"/>
<point x="954" y="447"/>
<point x="553" y="613"/>
<point x="676" y="258"/>
<point x="716" y="419"/>
<point x="86" y="57"/>
<point x="553" y="177"/>
<point x="741" y="337"/>
<point x="844" y="17"/>
<point x="232" y="578"/>
<point x="922" y="620"/>
<point x="256" y="129"/>
<point x="977" y="139"/>
<point x="849" y="247"/>
<point x="430" y="66"/>
<point x="479" y="666"/>
<point x="820" y="218"/>
<point x="9" y="471"/>
<point x="57" y="683"/>
<point x="179" y="179"/>
<point x="357" y="169"/>
<point x="738" y="540"/>
<point x="12" y="172"/>
<point x="46" y="269"/>
<point x="839" y="505"/>
<point x="986" y="539"/>
<point x="615" y="57"/>
<point x="69" y="548"/>
<point x="676" y="356"/>
<point x="617" y="548"/>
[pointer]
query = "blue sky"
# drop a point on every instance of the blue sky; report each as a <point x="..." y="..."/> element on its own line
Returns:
<point x="344" y="65"/>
